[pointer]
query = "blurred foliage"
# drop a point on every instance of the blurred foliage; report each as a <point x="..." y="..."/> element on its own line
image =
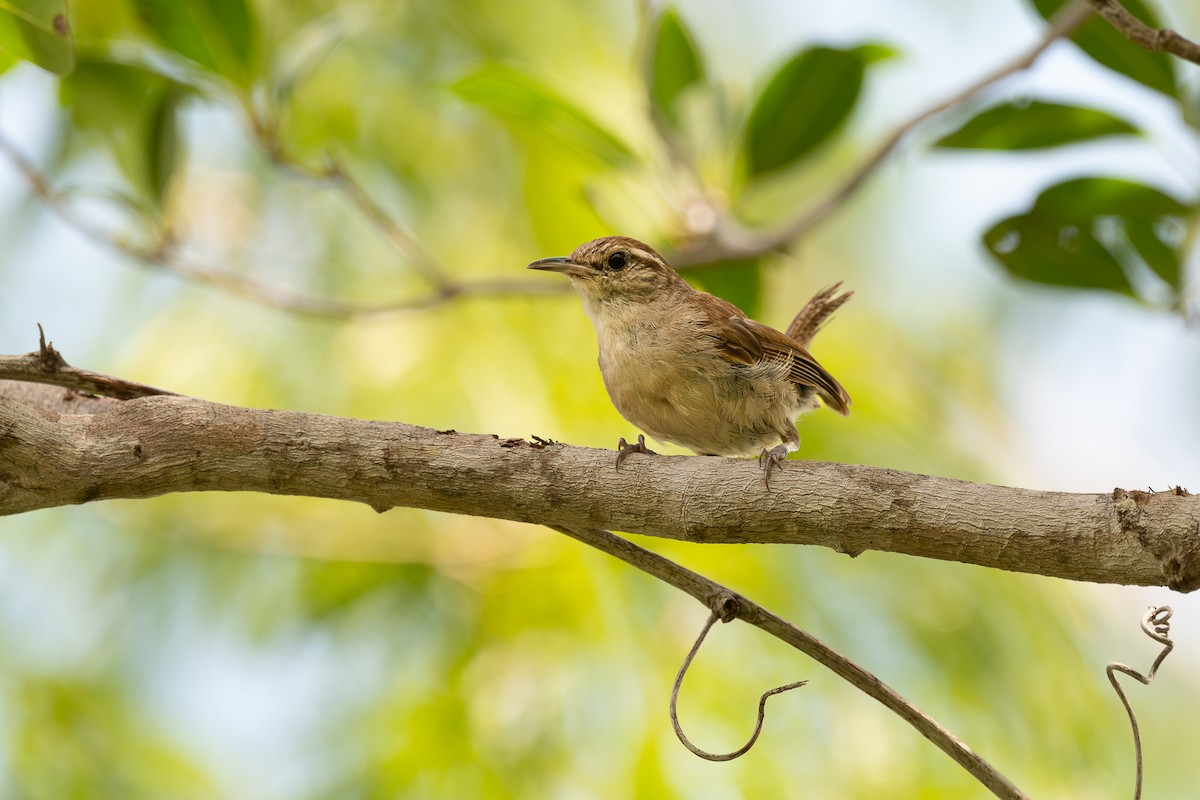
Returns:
<point x="1028" y="126"/>
<point x="1109" y="46"/>
<point x="1094" y="232"/>
<point x="804" y="104"/>
<point x="248" y="646"/>
<point x="675" y="65"/>
<point x="39" y="31"/>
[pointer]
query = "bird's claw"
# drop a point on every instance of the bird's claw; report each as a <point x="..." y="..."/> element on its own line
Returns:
<point x="771" y="459"/>
<point x="624" y="448"/>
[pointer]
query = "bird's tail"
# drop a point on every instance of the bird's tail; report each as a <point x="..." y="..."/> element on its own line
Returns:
<point x="816" y="312"/>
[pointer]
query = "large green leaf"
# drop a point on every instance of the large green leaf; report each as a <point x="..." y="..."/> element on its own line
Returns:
<point x="1035" y="125"/>
<point x="805" y="103"/>
<point x="1083" y="232"/>
<point x="132" y="112"/>
<point x="1107" y="45"/>
<point x="219" y="35"/>
<point x="38" y="31"/>
<point x="675" y="66"/>
<point x="537" y="113"/>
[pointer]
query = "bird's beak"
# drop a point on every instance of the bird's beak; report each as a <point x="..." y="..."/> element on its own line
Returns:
<point x="562" y="265"/>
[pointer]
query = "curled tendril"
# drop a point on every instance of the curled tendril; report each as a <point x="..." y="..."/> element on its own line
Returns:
<point x="1156" y="623"/>
<point x="762" y="702"/>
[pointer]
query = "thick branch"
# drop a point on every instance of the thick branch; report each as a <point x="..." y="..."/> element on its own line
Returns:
<point x="157" y="445"/>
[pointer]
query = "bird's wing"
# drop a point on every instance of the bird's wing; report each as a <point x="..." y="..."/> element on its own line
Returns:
<point x="745" y="341"/>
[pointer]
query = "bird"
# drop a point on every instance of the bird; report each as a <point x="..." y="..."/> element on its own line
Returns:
<point x="692" y="369"/>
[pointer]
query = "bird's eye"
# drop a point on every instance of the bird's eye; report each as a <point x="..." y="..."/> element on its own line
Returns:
<point x="618" y="260"/>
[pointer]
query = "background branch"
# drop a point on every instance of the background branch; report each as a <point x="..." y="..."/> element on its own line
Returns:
<point x="158" y="445"/>
<point x="164" y="253"/>
<point x="732" y="240"/>
<point x="1138" y="32"/>
<point x="729" y="606"/>
<point x="729" y="239"/>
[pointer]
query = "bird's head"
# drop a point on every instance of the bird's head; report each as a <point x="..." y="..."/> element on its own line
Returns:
<point x="614" y="267"/>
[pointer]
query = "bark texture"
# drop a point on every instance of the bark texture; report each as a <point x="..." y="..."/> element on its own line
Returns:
<point x="140" y="448"/>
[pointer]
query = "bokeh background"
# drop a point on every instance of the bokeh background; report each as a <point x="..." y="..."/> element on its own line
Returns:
<point x="243" y="646"/>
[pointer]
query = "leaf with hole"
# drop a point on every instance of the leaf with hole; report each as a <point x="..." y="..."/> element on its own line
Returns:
<point x="1091" y="233"/>
<point x="1036" y="125"/>
<point x="38" y="31"/>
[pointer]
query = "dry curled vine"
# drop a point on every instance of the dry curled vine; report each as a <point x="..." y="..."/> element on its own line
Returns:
<point x="727" y="605"/>
<point x="762" y="702"/>
<point x="1156" y="623"/>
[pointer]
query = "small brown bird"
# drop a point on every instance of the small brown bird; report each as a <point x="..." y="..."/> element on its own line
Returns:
<point x="690" y="368"/>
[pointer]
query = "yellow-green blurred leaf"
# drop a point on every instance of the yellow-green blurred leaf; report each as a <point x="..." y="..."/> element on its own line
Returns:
<point x="132" y="112"/>
<point x="219" y="35"/>
<point x="537" y="113"/>
<point x="675" y="65"/>
<point x="38" y="31"/>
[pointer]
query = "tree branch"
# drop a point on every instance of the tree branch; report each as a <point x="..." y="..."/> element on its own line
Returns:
<point x="729" y="239"/>
<point x="163" y="253"/>
<point x="1141" y="34"/>
<point x="732" y="240"/>
<point x="48" y="366"/>
<point x="158" y="445"/>
<point x="728" y="606"/>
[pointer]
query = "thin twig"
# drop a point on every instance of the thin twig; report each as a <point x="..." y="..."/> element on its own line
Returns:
<point x="1156" y="624"/>
<point x="1159" y="40"/>
<point x="732" y="240"/>
<point x="47" y="365"/>
<point x="762" y="704"/>
<point x="336" y="174"/>
<point x="729" y="239"/>
<point x="164" y="254"/>
<point x="729" y="605"/>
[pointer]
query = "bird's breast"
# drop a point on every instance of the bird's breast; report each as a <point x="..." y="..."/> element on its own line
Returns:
<point x="665" y="374"/>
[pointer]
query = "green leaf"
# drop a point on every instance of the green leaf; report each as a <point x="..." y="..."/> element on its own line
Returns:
<point x="38" y="31"/>
<point x="218" y="35"/>
<point x="804" y="104"/>
<point x="1085" y="232"/>
<point x="676" y="65"/>
<point x="162" y="140"/>
<point x="537" y="113"/>
<point x="1036" y="125"/>
<point x="1105" y="44"/>
<point x="132" y="112"/>
<point x="740" y="282"/>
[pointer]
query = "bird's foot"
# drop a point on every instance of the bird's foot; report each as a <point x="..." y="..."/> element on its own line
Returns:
<point x="772" y="459"/>
<point x="624" y="448"/>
